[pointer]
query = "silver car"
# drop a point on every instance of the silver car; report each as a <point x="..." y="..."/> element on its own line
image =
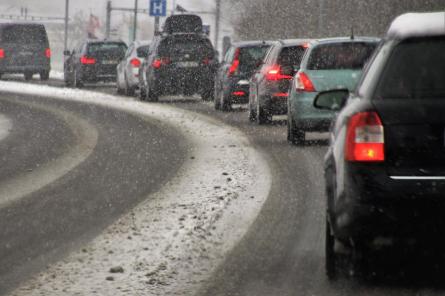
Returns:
<point x="128" y="69"/>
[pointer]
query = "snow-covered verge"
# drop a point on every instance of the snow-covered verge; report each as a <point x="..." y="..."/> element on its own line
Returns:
<point x="5" y="126"/>
<point x="171" y="243"/>
<point x="56" y="75"/>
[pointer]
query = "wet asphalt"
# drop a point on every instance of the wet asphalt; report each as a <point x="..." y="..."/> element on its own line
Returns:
<point x="133" y="158"/>
<point x="283" y="252"/>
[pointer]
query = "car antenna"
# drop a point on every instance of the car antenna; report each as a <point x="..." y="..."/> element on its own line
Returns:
<point x="352" y="33"/>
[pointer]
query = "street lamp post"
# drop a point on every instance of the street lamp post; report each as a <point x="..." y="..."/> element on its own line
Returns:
<point x="321" y="18"/>
<point x="67" y="5"/>
<point x="135" y="24"/>
<point x="217" y="22"/>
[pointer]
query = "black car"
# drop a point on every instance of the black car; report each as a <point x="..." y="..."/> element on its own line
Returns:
<point x="93" y="61"/>
<point x="385" y="167"/>
<point x="232" y="78"/>
<point x="179" y="63"/>
<point x="24" y="49"/>
<point x="269" y="86"/>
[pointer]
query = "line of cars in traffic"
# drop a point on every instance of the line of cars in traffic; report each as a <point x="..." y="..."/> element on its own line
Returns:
<point x="381" y="99"/>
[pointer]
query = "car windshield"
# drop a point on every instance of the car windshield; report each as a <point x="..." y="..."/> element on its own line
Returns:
<point x="107" y="48"/>
<point x="338" y="56"/>
<point x="291" y="56"/>
<point x="142" y="51"/>
<point x="29" y="34"/>
<point x="179" y="46"/>
<point x="416" y="70"/>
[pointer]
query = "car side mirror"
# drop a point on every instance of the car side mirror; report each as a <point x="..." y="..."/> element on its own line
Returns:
<point x="66" y="53"/>
<point x="333" y="100"/>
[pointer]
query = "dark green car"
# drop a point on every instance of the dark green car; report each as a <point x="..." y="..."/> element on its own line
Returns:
<point x="328" y="64"/>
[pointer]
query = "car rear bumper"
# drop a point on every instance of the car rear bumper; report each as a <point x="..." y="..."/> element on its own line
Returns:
<point x="11" y="69"/>
<point x="172" y="81"/>
<point x="376" y="205"/>
<point x="273" y="96"/>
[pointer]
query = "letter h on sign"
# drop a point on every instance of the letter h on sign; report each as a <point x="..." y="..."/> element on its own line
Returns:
<point x="158" y="7"/>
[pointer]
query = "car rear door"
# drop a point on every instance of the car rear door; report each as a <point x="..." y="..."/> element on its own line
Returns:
<point x="410" y="100"/>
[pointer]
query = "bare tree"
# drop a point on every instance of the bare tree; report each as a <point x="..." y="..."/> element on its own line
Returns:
<point x="267" y="19"/>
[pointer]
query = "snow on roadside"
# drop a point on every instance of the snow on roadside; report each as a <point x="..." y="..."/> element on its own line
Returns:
<point x="5" y="126"/>
<point x="171" y="243"/>
<point x="56" y="75"/>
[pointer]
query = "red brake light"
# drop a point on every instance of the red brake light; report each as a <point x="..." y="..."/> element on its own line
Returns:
<point x="136" y="63"/>
<point x="48" y="53"/>
<point x="157" y="63"/>
<point x="304" y="83"/>
<point x="235" y="63"/>
<point x="2" y="53"/>
<point x="87" y="61"/>
<point x="239" y="93"/>
<point x="365" y="140"/>
<point x="306" y="45"/>
<point x="274" y="73"/>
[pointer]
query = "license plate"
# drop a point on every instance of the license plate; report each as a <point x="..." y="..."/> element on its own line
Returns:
<point x="109" y="62"/>
<point x="187" y="64"/>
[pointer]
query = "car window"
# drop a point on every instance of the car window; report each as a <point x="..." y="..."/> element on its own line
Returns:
<point x="416" y="69"/>
<point x="143" y="51"/>
<point x="24" y="34"/>
<point x="229" y="55"/>
<point x="291" y="56"/>
<point x="129" y="51"/>
<point x="346" y="55"/>
<point x="107" y="47"/>
<point x="181" y="45"/>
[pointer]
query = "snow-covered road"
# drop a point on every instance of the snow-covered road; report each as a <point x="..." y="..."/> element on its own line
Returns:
<point x="173" y="241"/>
<point x="5" y="126"/>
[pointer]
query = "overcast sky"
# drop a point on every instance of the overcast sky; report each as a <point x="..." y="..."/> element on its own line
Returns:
<point x="97" y="7"/>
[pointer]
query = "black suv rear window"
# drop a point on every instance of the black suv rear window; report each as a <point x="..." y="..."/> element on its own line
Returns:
<point x="117" y="49"/>
<point x="178" y="46"/>
<point x="337" y="56"/>
<point x="291" y="56"/>
<point x="416" y="69"/>
<point x="29" y="34"/>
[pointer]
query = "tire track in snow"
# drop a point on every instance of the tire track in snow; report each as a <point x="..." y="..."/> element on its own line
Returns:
<point x="171" y="243"/>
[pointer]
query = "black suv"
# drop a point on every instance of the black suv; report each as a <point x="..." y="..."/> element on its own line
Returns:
<point x="24" y="49"/>
<point x="385" y="167"/>
<point x="93" y="61"/>
<point x="179" y="63"/>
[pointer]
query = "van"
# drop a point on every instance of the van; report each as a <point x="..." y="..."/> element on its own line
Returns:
<point x="24" y="49"/>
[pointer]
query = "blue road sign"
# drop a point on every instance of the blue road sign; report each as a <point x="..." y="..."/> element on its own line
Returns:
<point x="158" y="7"/>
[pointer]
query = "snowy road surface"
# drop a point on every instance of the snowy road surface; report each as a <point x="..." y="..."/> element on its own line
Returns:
<point x="283" y="250"/>
<point x="185" y="229"/>
<point x="5" y="126"/>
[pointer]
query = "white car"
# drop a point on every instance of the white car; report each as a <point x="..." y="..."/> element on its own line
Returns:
<point x="128" y="69"/>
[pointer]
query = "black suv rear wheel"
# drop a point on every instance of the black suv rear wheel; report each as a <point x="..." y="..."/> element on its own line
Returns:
<point x="295" y="135"/>
<point x="44" y="75"/>
<point x="330" y="255"/>
<point x="28" y="75"/>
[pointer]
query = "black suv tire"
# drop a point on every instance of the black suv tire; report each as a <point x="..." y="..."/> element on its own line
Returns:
<point x="295" y="135"/>
<point x="44" y="75"/>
